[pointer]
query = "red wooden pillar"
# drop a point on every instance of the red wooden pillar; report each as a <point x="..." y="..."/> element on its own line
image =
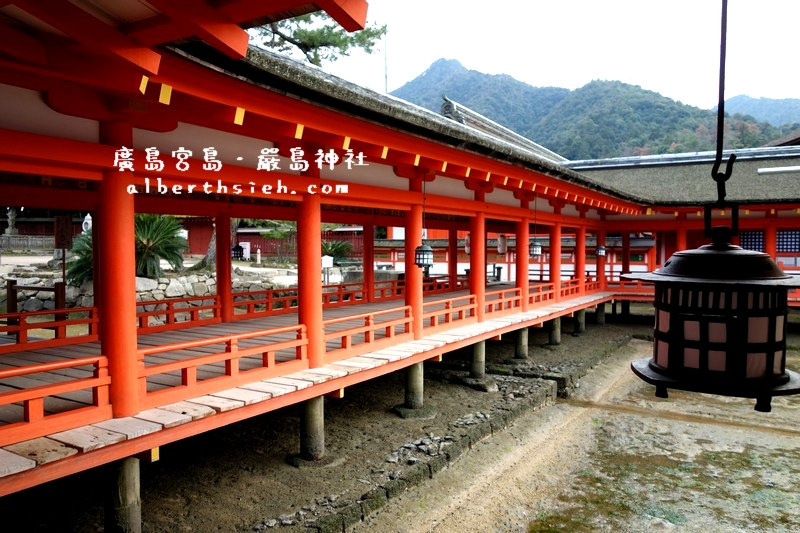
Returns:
<point x="222" y="227"/>
<point x="413" y="273"/>
<point x="580" y="258"/>
<point x="477" y="262"/>
<point x="452" y="258"/>
<point x="680" y="237"/>
<point x="601" y="261"/>
<point x="651" y="255"/>
<point x="523" y="241"/>
<point x="771" y="238"/>
<point x="368" y="234"/>
<point x="626" y="252"/>
<point x="309" y="276"/>
<point x="117" y="290"/>
<point x="555" y="259"/>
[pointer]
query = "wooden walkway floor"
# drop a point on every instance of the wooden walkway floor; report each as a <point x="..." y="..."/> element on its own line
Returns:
<point x="116" y="438"/>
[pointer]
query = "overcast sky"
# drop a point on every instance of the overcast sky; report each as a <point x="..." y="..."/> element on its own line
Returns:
<point x="670" y="47"/>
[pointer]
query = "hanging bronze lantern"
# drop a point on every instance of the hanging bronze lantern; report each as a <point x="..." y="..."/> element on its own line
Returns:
<point x="720" y="324"/>
<point x="535" y="249"/>
<point x="423" y="256"/>
<point x="720" y="311"/>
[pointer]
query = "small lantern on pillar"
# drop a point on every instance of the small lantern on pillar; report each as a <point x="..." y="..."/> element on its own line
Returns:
<point x="502" y="244"/>
<point x="600" y="251"/>
<point x="86" y="225"/>
<point x="466" y="244"/>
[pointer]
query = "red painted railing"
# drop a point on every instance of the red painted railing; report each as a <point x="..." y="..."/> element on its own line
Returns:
<point x="570" y="287"/>
<point x="183" y="370"/>
<point x="503" y="301"/>
<point x="389" y="289"/>
<point x="443" y="314"/>
<point x="541" y="293"/>
<point x="177" y="313"/>
<point x="252" y="304"/>
<point x="342" y="294"/>
<point x="36" y="418"/>
<point x="592" y="284"/>
<point x="353" y="335"/>
<point x="62" y="329"/>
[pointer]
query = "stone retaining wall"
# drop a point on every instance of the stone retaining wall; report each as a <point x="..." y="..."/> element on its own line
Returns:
<point x="146" y="289"/>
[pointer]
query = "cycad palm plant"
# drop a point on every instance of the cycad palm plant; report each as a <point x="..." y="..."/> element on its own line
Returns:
<point x="339" y="250"/>
<point x="157" y="237"/>
<point x="79" y="269"/>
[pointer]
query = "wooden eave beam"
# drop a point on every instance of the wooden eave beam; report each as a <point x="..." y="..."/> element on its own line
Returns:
<point x="92" y="32"/>
<point x="22" y="46"/>
<point x="350" y="14"/>
<point x="208" y="24"/>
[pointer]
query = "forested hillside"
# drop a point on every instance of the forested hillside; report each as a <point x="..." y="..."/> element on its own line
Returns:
<point x="600" y="119"/>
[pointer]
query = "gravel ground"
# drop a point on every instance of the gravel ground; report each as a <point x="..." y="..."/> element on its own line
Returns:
<point x="615" y="458"/>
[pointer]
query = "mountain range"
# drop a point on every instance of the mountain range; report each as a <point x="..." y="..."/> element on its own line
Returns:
<point x="603" y="118"/>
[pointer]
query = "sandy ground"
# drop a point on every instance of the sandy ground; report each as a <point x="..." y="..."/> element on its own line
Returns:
<point x="614" y="458"/>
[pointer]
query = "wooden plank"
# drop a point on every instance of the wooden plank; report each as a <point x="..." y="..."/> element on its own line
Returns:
<point x="327" y="370"/>
<point x="216" y="403"/>
<point x="87" y="438"/>
<point x="270" y="388"/>
<point x="345" y="370"/>
<point x="130" y="426"/>
<point x="11" y="463"/>
<point x="296" y="383"/>
<point x="193" y="410"/>
<point x="314" y="377"/>
<point x="165" y="418"/>
<point x="42" y="450"/>
<point x="246" y="396"/>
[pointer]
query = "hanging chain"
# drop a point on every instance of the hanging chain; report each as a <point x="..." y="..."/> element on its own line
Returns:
<point x="722" y="177"/>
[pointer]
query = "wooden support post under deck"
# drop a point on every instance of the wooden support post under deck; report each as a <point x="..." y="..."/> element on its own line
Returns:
<point x="555" y="331"/>
<point x="222" y="227"/>
<point x="309" y="277"/>
<point x="555" y="259"/>
<point x="415" y="386"/>
<point x="521" y="348"/>
<point x="600" y="314"/>
<point x="312" y="429"/>
<point x="369" y="261"/>
<point x="117" y="291"/>
<point x="477" y="262"/>
<point x="477" y="369"/>
<point x="123" y="512"/>
<point x="413" y="273"/>
<point x="580" y="322"/>
<point x="580" y="258"/>
<point x="523" y="261"/>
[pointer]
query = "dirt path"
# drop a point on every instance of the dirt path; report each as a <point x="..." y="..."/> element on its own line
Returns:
<point x="614" y="458"/>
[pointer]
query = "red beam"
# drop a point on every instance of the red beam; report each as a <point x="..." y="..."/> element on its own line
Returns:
<point x="208" y="24"/>
<point x="88" y="30"/>
<point x="21" y="45"/>
<point x="351" y="14"/>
